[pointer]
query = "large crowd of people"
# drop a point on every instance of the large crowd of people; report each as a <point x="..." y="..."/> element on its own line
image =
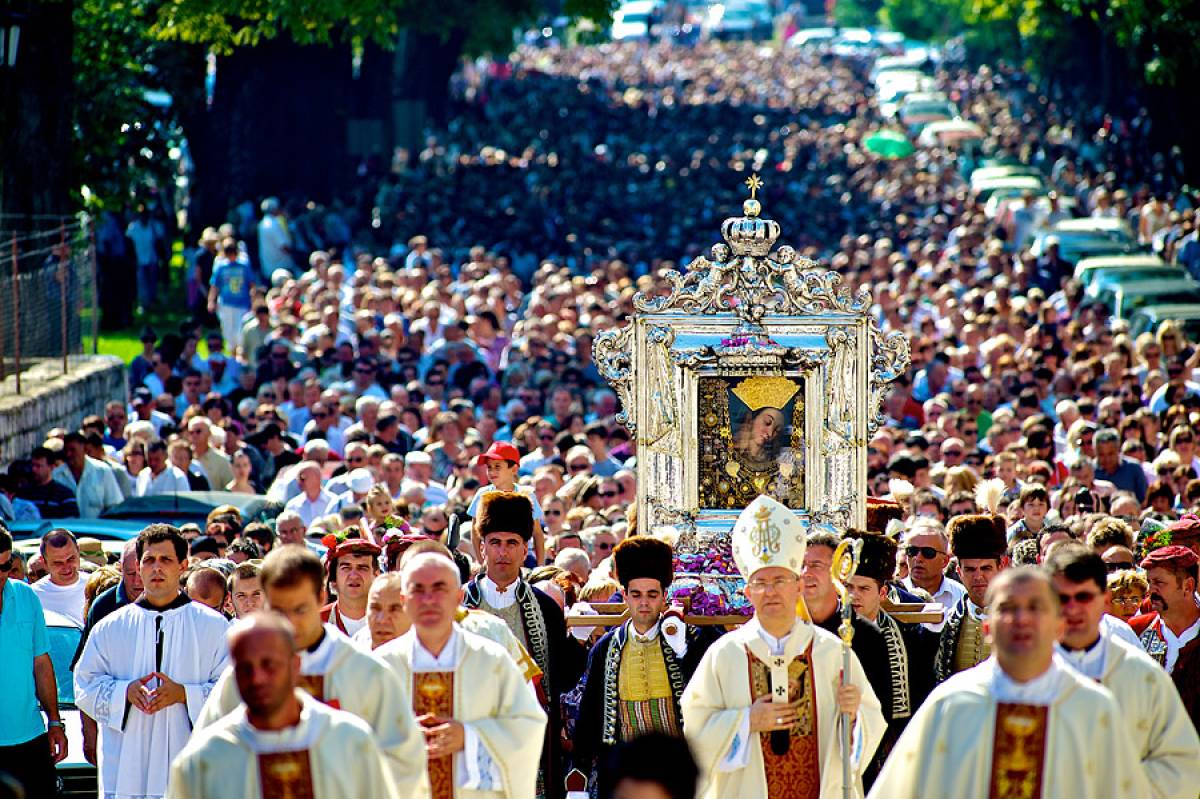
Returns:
<point x="410" y="381"/>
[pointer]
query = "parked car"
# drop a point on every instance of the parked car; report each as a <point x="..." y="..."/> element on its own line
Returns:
<point x="1148" y="318"/>
<point x="123" y="522"/>
<point x="994" y="171"/>
<point x="632" y="19"/>
<point x="1113" y="271"/>
<point x="1123" y="300"/>
<point x="739" y="19"/>
<point x="1009" y="186"/>
<point x="1087" y="238"/>
<point x="76" y="777"/>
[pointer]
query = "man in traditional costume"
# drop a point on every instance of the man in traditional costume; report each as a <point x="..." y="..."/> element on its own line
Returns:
<point x="637" y="671"/>
<point x="279" y="743"/>
<point x="147" y="669"/>
<point x="909" y="648"/>
<point x="1021" y="725"/>
<point x="763" y="708"/>
<point x="353" y="566"/>
<point x="1162" y="735"/>
<point x="979" y="542"/>
<point x="1171" y="634"/>
<point x="505" y="526"/>
<point x="332" y="669"/>
<point x="483" y="726"/>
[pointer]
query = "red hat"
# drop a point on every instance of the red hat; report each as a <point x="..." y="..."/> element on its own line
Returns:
<point x="500" y="451"/>
<point x="1172" y="557"/>
<point x="1185" y="528"/>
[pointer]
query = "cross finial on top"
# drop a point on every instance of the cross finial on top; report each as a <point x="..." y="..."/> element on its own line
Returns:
<point x="754" y="183"/>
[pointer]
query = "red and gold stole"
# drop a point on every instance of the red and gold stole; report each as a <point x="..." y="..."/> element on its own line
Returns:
<point x="1018" y="751"/>
<point x="285" y="775"/>
<point x="796" y="774"/>
<point x="314" y="686"/>
<point x="433" y="692"/>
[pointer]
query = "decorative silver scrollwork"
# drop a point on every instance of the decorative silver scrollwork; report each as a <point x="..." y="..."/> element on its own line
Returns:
<point x="889" y="358"/>
<point x="613" y="354"/>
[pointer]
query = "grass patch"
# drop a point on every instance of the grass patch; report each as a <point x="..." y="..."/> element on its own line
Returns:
<point x="172" y="309"/>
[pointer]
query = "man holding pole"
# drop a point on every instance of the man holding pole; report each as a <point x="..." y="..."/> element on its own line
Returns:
<point x="763" y="710"/>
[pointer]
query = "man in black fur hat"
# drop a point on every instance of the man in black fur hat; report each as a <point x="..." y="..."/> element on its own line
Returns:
<point x="505" y="527"/>
<point x="910" y="647"/>
<point x="979" y="544"/>
<point x="637" y="671"/>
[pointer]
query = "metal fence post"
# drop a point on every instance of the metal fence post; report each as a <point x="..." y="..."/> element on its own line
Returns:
<point x="95" y="287"/>
<point x="16" y="313"/>
<point x="62" y="289"/>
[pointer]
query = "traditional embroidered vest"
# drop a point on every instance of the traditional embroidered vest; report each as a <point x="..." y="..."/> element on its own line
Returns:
<point x="646" y="702"/>
<point x="285" y="775"/>
<point x="433" y="692"/>
<point x="795" y="774"/>
<point x="897" y="666"/>
<point x="1154" y="644"/>
<point x="972" y="648"/>
<point x="1018" y="751"/>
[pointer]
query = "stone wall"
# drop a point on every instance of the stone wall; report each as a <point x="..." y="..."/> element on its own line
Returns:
<point x="51" y="399"/>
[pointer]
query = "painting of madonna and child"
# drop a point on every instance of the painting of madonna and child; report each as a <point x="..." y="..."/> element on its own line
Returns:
<point x="751" y="432"/>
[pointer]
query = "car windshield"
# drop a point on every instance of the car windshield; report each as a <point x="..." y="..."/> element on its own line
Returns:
<point x="63" y="641"/>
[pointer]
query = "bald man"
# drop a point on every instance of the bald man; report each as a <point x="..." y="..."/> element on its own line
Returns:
<point x="313" y="500"/>
<point x="279" y="741"/>
<point x="479" y="743"/>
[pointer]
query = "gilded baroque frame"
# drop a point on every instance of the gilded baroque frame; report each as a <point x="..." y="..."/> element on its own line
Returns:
<point x="750" y="310"/>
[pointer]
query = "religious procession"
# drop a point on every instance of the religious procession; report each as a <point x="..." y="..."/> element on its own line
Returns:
<point x="770" y="629"/>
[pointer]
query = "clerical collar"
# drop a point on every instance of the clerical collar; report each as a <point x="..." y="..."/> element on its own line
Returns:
<point x="1043" y="689"/>
<point x="298" y="737"/>
<point x="178" y="602"/>
<point x="496" y="596"/>
<point x="1089" y="660"/>
<point x="424" y="660"/>
<point x="775" y="645"/>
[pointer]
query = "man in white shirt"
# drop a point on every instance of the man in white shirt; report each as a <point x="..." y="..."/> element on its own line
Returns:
<point x="61" y="590"/>
<point x="274" y="241"/>
<point x="94" y="484"/>
<point x="313" y="499"/>
<point x="928" y="551"/>
<point x="159" y="476"/>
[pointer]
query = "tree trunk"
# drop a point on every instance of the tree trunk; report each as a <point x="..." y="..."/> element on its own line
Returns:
<point x="35" y="114"/>
<point x="421" y="84"/>
<point x="277" y="126"/>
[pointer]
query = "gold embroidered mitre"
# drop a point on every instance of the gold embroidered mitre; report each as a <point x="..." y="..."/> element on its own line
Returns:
<point x="768" y="534"/>
<point x="765" y="392"/>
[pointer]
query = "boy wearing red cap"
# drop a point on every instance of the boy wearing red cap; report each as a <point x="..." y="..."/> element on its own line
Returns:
<point x="503" y="461"/>
<point x="1171" y="634"/>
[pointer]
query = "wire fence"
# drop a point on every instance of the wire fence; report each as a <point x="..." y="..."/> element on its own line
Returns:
<point x="48" y="292"/>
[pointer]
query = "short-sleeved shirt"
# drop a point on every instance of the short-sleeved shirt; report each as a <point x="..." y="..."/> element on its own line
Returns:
<point x="22" y="638"/>
<point x="233" y="280"/>
<point x="538" y="516"/>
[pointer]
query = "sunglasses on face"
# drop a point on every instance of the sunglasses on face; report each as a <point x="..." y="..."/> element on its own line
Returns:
<point x="1082" y="597"/>
<point x="928" y="553"/>
<point x="553" y="513"/>
<point x="1118" y="565"/>
<point x="952" y="453"/>
<point x="604" y="546"/>
<point x="606" y="494"/>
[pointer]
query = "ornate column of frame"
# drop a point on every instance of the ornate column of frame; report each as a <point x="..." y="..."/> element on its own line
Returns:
<point x="758" y="372"/>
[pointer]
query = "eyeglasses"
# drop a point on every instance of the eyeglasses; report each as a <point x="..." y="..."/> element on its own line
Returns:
<point x="603" y="546"/>
<point x="553" y="512"/>
<point x="606" y="494"/>
<point x="1118" y="565"/>
<point x="432" y="383"/>
<point x="1082" y="597"/>
<point x="367" y="371"/>
<point x="320" y="415"/>
<point x="778" y="584"/>
<point x="952" y="453"/>
<point x="578" y="467"/>
<point x="357" y="459"/>
<point x="928" y="553"/>
<point x="549" y="437"/>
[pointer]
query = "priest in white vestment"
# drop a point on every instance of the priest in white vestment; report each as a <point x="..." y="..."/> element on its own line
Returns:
<point x="483" y="725"/>
<point x="763" y="709"/>
<point x="279" y="742"/>
<point x="1160" y="730"/>
<point x="146" y="671"/>
<point x="332" y="669"/>
<point x="1022" y="723"/>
